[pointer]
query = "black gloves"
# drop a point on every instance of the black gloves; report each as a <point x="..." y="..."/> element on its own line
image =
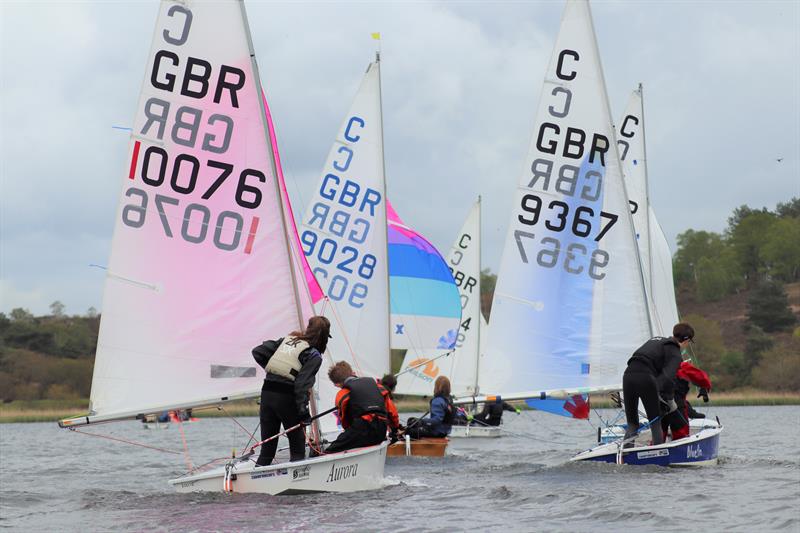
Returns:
<point x="305" y="418"/>
<point x="703" y="393"/>
<point x="392" y="436"/>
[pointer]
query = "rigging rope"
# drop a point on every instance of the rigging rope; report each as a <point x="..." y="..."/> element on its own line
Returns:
<point x="186" y="456"/>
<point x="76" y="430"/>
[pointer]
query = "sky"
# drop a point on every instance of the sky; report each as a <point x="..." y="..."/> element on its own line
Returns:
<point x="461" y="84"/>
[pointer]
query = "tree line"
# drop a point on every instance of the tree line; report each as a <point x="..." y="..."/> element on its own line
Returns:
<point x="756" y="258"/>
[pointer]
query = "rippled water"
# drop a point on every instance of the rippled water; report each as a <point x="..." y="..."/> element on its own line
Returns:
<point x="56" y="480"/>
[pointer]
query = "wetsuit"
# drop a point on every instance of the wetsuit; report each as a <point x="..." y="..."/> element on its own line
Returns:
<point x="438" y="425"/>
<point x="678" y="421"/>
<point x="284" y="400"/>
<point x="492" y="413"/>
<point x="650" y="370"/>
<point x="365" y="409"/>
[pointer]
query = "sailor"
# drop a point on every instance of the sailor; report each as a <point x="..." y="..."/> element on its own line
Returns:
<point x="365" y="408"/>
<point x="291" y="363"/>
<point x="492" y="413"/>
<point x="442" y="414"/>
<point x="651" y="372"/>
<point x="678" y="421"/>
<point x="389" y="382"/>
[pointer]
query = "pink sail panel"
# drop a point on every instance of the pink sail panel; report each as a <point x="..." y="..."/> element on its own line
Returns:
<point x="313" y="286"/>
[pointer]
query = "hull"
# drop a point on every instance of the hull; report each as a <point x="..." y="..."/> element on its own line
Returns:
<point x="699" y="449"/>
<point x="428" y="447"/>
<point x="461" y="432"/>
<point x="612" y="433"/>
<point x="348" y="471"/>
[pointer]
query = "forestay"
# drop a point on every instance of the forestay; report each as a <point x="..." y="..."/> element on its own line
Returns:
<point x="199" y="270"/>
<point x="426" y="307"/>
<point x="653" y="248"/>
<point x="569" y="306"/>
<point x="344" y="239"/>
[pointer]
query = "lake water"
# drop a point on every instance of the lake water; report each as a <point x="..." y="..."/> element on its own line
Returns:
<point x="57" y="480"/>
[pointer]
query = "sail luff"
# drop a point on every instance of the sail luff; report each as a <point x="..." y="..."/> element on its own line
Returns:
<point x="274" y="166"/>
<point x="384" y="224"/>
<point x="475" y="385"/>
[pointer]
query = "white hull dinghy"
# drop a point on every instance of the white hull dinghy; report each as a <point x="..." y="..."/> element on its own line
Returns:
<point x="348" y="471"/>
<point x="472" y="431"/>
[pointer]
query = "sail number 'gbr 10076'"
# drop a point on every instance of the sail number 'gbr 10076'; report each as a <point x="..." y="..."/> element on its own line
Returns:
<point x="562" y="198"/>
<point x="189" y="176"/>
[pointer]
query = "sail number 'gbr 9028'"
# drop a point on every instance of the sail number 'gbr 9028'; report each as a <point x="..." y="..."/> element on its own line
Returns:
<point x="190" y="167"/>
<point x="563" y="198"/>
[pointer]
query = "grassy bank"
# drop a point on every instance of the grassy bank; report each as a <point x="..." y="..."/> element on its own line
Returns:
<point x="52" y="410"/>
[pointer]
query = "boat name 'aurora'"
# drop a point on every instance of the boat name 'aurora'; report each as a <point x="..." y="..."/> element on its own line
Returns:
<point x="342" y="472"/>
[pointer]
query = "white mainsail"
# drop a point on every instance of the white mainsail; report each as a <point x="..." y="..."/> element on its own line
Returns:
<point x="569" y="306"/>
<point x="344" y="239"/>
<point x="653" y="248"/>
<point x="200" y="269"/>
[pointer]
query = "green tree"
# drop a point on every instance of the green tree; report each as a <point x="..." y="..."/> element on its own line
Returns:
<point x="708" y="349"/>
<point x="779" y="368"/>
<point x="781" y="249"/>
<point x="692" y="247"/>
<point x="768" y="307"/>
<point x="19" y="314"/>
<point x="747" y="239"/>
<point x="57" y="309"/>
<point x="756" y="344"/>
<point x="789" y="209"/>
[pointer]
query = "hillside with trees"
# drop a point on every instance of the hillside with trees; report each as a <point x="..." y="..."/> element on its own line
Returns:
<point x="740" y="290"/>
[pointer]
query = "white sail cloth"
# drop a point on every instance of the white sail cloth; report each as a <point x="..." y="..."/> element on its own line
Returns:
<point x="569" y="306"/>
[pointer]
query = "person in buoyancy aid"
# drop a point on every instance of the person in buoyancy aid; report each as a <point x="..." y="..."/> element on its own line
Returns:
<point x="677" y="422"/>
<point x="291" y="363"/>
<point x="442" y="414"/>
<point x="365" y="409"/>
<point x="650" y="377"/>
<point x="492" y="413"/>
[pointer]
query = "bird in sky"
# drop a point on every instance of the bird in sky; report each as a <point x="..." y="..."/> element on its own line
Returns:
<point x="779" y="159"/>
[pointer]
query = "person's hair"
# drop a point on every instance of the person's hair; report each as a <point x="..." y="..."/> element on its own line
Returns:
<point x="441" y="387"/>
<point x="389" y="381"/>
<point x="316" y="334"/>
<point x="340" y="371"/>
<point x="683" y="331"/>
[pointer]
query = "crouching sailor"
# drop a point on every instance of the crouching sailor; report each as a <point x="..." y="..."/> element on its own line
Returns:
<point x="291" y="364"/>
<point x="678" y="421"/>
<point x="442" y="414"/>
<point x="365" y="409"/>
<point x="651" y="370"/>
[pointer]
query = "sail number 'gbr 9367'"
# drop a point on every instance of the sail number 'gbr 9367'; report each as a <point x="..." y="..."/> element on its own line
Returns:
<point x="563" y="198"/>
<point x="184" y="161"/>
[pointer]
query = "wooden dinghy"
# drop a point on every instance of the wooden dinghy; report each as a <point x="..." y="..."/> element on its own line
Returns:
<point x="427" y="447"/>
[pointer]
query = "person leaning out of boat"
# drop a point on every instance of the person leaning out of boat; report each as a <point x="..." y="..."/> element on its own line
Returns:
<point x="677" y="422"/>
<point x="442" y="414"/>
<point x="492" y="413"/>
<point x="291" y="363"/>
<point x="650" y="377"/>
<point x="365" y="409"/>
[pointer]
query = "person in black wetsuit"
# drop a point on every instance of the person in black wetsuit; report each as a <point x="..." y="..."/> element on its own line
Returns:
<point x="291" y="363"/>
<point x="492" y="413"/>
<point x="650" y="377"/>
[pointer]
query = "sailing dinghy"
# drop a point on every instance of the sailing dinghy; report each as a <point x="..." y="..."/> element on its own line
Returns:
<point x="201" y="267"/>
<point x="570" y="304"/>
<point x="657" y="269"/>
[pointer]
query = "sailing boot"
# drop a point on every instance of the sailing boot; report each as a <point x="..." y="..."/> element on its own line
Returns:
<point x="630" y="433"/>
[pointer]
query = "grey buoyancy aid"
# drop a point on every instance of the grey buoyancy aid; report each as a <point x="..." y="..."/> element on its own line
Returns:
<point x="286" y="360"/>
<point x="365" y="398"/>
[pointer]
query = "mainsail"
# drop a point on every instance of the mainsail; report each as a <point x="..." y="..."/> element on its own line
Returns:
<point x="569" y="306"/>
<point x="426" y="307"/>
<point x="344" y="239"/>
<point x="653" y="247"/>
<point x="200" y="270"/>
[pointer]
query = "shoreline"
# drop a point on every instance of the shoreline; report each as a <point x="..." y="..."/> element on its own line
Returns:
<point x="54" y="410"/>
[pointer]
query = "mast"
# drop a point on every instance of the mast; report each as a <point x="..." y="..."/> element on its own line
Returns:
<point x="480" y="311"/>
<point x="622" y="179"/>
<point x="384" y="224"/>
<point x="647" y="199"/>
<point x="273" y="165"/>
